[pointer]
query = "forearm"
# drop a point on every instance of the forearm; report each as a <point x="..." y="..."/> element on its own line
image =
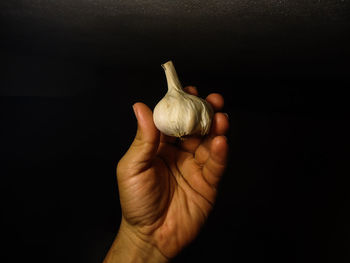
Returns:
<point x="127" y="247"/>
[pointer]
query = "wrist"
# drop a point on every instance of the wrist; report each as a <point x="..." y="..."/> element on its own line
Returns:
<point x="128" y="246"/>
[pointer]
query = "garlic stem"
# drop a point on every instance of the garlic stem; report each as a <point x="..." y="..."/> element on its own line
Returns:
<point x="171" y="77"/>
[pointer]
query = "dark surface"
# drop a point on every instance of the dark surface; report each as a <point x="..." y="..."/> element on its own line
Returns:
<point x="70" y="71"/>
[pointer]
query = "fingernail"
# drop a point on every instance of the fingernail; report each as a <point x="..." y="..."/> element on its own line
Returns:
<point x="135" y="111"/>
<point x="226" y="115"/>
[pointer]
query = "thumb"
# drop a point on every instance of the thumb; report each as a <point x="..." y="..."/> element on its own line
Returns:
<point x="146" y="142"/>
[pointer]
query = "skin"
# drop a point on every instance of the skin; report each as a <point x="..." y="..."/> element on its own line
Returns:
<point x="167" y="187"/>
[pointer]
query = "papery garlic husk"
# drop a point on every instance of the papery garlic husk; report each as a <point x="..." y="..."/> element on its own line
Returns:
<point x="178" y="113"/>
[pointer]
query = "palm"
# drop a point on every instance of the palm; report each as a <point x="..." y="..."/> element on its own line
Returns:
<point x="169" y="199"/>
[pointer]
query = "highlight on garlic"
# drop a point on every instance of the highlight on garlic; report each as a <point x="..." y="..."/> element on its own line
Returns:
<point x="179" y="113"/>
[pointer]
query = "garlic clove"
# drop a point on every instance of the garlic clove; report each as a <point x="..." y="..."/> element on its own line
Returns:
<point x="178" y="113"/>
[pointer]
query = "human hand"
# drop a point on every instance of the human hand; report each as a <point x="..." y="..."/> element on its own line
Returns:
<point x="168" y="186"/>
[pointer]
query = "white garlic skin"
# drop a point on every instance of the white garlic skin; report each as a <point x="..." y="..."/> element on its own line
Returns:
<point x="178" y="113"/>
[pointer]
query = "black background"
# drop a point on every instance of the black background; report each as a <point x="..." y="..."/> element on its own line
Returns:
<point x="71" y="70"/>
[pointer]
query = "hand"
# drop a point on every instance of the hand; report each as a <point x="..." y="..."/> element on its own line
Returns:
<point x="168" y="186"/>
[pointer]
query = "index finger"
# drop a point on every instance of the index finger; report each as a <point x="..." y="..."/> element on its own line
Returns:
<point x="216" y="100"/>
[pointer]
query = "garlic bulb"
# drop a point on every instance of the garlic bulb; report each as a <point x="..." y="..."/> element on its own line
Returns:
<point x="179" y="113"/>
